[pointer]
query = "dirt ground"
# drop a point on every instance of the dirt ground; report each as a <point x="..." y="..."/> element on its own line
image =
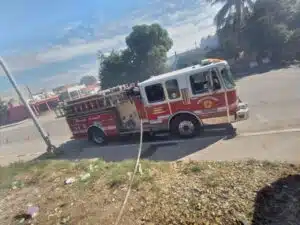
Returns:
<point x="251" y="192"/>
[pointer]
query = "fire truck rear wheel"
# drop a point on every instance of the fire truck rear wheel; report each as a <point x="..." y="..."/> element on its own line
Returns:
<point x="185" y="126"/>
<point x="97" y="136"/>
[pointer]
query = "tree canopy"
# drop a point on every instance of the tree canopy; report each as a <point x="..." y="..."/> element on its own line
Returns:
<point x="232" y="12"/>
<point x="264" y="27"/>
<point x="230" y="20"/>
<point x="270" y="27"/>
<point x="145" y="55"/>
<point x="88" y="80"/>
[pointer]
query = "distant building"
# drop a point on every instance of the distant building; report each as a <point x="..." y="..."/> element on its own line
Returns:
<point x="16" y="113"/>
<point x="43" y="102"/>
<point x="62" y="88"/>
<point x="75" y="91"/>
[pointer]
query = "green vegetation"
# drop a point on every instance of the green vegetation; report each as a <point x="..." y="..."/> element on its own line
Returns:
<point x="145" y="55"/>
<point x="259" y="28"/>
<point x="88" y="80"/>
<point x="233" y="16"/>
<point x="163" y="193"/>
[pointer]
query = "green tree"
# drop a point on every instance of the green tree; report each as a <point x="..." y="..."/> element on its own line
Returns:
<point x="294" y="22"/>
<point x="145" y="55"/>
<point x="150" y="45"/>
<point x="232" y="11"/>
<point x="229" y="21"/>
<point x="261" y="27"/>
<point x="293" y="44"/>
<point x="114" y="69"/>
<point x="88" y="80"/>
<point x="228" y="40"/>
<point x="267" y="29"/>
<point x="232" y="15"/>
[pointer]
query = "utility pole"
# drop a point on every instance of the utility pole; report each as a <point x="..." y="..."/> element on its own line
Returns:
<point x="50" y="146"/>
<point x="29" y="92"/>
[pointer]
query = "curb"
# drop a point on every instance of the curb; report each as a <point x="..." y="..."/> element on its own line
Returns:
<point x="22" y="155"/>
<point x="12" y="125"/>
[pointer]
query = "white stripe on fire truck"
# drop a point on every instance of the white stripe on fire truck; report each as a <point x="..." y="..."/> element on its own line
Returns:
<point x="220" y="109"/>
<point x="160" y="119"/>
<point x="155" y="121"/>
<point x="163" y="117"/>
<point x="109" y="128"/>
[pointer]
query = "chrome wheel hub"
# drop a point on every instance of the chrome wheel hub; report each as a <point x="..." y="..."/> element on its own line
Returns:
<point x="186" y="128"/>
<point x="98" y="139"/>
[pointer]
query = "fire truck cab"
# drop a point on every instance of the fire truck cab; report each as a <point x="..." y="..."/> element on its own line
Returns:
<point x="180" y="102"/>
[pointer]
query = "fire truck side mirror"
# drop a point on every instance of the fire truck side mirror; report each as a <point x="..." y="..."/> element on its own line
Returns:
<point x="135" y="92"/>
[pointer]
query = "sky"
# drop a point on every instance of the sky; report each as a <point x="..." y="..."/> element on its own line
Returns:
<point x="50" y="43"/>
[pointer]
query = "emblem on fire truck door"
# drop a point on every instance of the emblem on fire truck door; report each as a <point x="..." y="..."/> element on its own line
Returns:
<point x="207" y="104"/>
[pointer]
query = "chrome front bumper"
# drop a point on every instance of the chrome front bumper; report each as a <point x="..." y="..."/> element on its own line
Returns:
<point x="242" y="112"/>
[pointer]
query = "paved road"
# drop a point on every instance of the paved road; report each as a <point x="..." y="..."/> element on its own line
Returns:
<point x="27" y="131"/>
<point x="165" y="148"/>
<point x="212" y="145"/>
<point x="274" y="101"/>
<point x="274" y="147"/>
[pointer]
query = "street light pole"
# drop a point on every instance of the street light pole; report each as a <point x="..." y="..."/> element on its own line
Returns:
<point x="50" y="146"/>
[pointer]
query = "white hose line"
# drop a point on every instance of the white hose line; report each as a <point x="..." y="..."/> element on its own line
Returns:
<point x="132" y="178"/>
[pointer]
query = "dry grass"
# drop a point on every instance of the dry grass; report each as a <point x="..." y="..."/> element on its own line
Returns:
<point x="165" y="193"/>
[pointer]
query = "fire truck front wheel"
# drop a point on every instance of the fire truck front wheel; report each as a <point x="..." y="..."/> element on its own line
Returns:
<point x="96" y="135"/>
<point x="185" y="126"/>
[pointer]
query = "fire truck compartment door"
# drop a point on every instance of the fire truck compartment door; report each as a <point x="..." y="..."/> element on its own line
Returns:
<point x="129" y="115"/>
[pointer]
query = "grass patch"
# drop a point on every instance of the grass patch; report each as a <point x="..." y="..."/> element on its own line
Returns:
<point x="195" y="169"/>
<point x="259" y="192"/>
<point x="8" y="173"/>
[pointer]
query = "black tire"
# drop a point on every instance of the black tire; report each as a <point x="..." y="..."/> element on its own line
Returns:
<point x="97" y="136"/>
<point x="185" y="126"/>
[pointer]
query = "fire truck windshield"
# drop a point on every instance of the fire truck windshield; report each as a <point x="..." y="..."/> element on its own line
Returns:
<point x="228" y="78"/>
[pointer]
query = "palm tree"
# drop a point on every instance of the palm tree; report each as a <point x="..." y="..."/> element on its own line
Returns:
<point x="229" y="22"/>
<point x="232" y="12"/>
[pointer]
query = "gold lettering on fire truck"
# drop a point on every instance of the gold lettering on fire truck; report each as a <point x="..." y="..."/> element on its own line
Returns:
<point x="158" y="110"/>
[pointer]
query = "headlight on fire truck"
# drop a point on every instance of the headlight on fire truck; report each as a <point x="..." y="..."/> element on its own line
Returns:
<point x="242" y="106"/>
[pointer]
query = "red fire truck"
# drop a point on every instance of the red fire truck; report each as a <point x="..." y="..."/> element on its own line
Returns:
<point x="180" y="102"/>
